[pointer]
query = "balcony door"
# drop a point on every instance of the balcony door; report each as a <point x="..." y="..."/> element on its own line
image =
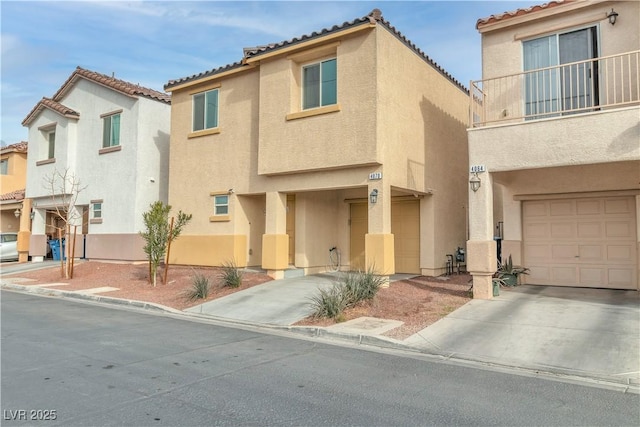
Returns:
<point x="556" y="89"/>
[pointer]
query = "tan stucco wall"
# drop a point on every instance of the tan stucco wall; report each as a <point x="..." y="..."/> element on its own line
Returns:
<point x="385" y="119"/>
<point x="16" y="177"/>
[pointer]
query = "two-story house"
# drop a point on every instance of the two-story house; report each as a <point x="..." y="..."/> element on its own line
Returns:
<point x="350" y="137"/>
<point x="13" y="179"/>
<point x="112" y="138"/>
<point x="555" y="143"/>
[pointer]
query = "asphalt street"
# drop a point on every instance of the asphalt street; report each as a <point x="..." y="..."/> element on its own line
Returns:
<point x="71" y="363"/>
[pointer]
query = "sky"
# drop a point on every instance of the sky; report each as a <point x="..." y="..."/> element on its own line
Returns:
<point x="153" y="42"/>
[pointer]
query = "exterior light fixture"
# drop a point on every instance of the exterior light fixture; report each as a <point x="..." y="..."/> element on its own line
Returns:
<point x="475" y="182"/>
<point x="373" y="197"/>
<point x="17" y="213"/>
<point x="613" y="15"/>
<point x="32" y="215"/>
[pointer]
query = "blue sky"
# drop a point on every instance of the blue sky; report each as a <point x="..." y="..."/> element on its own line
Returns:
<point x="152" y="42"/>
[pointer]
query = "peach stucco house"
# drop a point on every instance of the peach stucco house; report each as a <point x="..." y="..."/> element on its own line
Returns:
<point x="15" y="209"/>
<point x="278" y="156"/>
<point x="555" y="138"/>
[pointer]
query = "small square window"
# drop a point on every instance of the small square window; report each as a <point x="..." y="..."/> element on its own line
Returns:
<point x="221" y="205"/>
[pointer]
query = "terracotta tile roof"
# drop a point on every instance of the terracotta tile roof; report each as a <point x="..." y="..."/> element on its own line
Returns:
<point x="14" y="195"/>
<point x="112" y="83"/>
<point x="375" y="17"/>
<point x="519" y="12"/>
<point x="52" y="105"/>
<point x="20" y="147"/>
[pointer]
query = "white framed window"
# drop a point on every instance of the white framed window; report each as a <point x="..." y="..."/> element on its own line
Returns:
<point x="96" y="211"/>
<point x="221" y="205"/>
<point x="319" y="84"/>
<point x="4" y="167"/>
<point x="111" y="130"/>
<point x="51" y="144"/>
<point x="205" y="110"/>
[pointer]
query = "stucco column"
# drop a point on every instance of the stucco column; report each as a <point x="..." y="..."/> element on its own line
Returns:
<point x="24" y="234"/>
<point x="38" y="240"/>
<point x="481" y="248"/>
<point x="378" y="242"/>
<point x="275" y="241"/>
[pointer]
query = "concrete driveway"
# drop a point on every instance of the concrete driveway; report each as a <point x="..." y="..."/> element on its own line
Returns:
<point x="592" y="332"/>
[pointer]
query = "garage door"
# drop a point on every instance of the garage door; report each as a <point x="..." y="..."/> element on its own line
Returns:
<point x="405" y="227"/>
<point x="581" y="242"/>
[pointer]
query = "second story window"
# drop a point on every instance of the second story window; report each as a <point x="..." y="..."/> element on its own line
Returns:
<point x="205" y="110"/>
<point x="96" y="211"/>
<point x="51" y="144"/>
<point x="319" y="84"/>
<point x="4" y="167"/>
<point x="111" y="130"/>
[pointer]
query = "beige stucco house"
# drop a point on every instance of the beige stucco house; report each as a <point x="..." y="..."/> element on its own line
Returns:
<point x="350" y="137"/>
<point x="15" y="209"/>
<point x="555" y="141"/>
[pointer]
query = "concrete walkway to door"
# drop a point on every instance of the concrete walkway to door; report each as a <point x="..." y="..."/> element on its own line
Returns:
<point x="575" y="331"/>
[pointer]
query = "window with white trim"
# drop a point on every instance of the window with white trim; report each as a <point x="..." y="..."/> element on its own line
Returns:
<point x="205" y="110"/>
<point x="319" y="84"/>
<point x="111" y="130"/>
<point x="4" y="167"/>
<point x="96" y="210"/>
<point x="221" y="205"/>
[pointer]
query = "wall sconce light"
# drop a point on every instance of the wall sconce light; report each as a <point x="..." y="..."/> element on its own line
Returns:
<point x="17" y="213"/>
<point x="613" y="15"/>
<point x="475" y="182"/>
<point x="32" y="215"/>
<point x="230" y="191"/>
<point x="373" y="197"/>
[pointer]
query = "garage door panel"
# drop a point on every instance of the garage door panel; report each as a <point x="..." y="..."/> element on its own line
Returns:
<point x="615" y="229"/>
<point x="581" y="242"/>
<point x="563" y="230"/>
<point x="589" y="230"/>
<point x="588" y="207"/>
<point x="619" y="206"/>
<point x="561" y="208"/>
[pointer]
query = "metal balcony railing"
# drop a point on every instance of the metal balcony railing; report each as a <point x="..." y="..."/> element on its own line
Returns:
<point x="577" y="87"/>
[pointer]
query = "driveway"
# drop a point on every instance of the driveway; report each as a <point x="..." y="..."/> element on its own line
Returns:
<point x="593" y="332"/>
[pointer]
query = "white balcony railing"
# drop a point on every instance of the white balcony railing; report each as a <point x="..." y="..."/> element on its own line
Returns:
<point x="595" y="84"/>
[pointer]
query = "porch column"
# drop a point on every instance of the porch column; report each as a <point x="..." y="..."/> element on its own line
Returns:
<point x="38" y="240"/>
<point x="24" y="233"/>
<point x="378" y="242"/>
<point x="481" y="248"/>
<point x="275" y="242"/>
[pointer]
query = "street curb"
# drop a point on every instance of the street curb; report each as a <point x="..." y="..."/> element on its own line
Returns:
<point x="628" y="386"/>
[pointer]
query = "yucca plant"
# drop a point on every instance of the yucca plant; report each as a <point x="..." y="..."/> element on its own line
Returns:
<point x="231" y="275"/>
<point x="329" y="303"/>
<point x="200" y="288"/>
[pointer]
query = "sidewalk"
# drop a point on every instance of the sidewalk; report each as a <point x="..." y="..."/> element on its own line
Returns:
<point x="591" y="334"/>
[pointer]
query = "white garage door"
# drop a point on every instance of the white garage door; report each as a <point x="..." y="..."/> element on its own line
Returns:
<point x="581" y="242"/>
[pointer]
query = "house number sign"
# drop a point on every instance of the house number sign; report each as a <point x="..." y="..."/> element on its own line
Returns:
<point x="477" y="168"/>
<point x="375" y="175"/>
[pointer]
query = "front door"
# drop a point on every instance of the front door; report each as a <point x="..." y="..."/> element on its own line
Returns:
<point x="359" y="226"/>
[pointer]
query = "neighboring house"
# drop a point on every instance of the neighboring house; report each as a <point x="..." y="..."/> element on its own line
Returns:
<point x="555" y="123"/>
<point x="14" y="208"/>
<point x="350" y="137"/>
<point x="112" y="137"/>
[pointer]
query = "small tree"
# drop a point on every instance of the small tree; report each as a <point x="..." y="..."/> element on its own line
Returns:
<point x="158" y="234"/>
<point x="64" y="189"/>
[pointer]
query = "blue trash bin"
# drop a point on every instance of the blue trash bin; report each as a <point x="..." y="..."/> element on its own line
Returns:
<point x="55" y="249"/>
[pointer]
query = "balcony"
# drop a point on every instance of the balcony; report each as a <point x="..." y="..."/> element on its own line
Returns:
<point x="597" y="84"/>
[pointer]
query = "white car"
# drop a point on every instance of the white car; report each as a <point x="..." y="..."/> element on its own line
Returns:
<point x="8" y="246"/>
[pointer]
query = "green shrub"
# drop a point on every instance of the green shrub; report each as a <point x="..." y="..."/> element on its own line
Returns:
<point x="231" y="275"/>
<point x="329" y="303"/>
<point x="351" y="288"/>
<point x="199" y="288"/>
